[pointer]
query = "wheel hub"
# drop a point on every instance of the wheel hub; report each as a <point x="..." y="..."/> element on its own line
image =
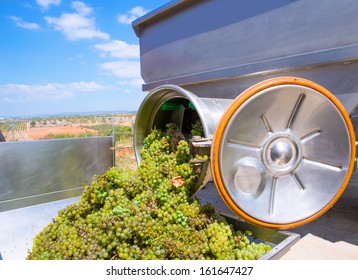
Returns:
<point x="281" y="153"/>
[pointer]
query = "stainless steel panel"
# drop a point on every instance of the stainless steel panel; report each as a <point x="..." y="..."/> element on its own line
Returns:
<point x="221" y="38"/>
<point x="20" y="226"/>
<point x="340" y="78"/>
<point x="33" y="172"/>
<point x="298" y="63"/>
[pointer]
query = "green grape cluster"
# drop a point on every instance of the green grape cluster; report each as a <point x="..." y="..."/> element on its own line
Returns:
<point x="183" y="152"/>
<point x="197" y="128"/>
<point x="145" y="214"/>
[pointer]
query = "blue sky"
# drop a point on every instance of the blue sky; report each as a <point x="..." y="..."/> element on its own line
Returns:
<point x="70" y="56"/>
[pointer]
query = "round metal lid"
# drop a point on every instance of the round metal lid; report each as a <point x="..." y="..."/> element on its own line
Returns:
<point x="283" y="153"/>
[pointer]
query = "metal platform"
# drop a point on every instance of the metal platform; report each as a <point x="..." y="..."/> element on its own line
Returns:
<point x="20" y="226"/>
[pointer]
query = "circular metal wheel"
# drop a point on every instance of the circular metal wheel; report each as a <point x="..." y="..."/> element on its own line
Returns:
<point x="283" y="153"/>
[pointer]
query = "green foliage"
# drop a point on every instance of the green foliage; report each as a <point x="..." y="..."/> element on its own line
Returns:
<point x="13" y="126"/>
<point x="122" y="134"/>
<point x="68" y="135"/>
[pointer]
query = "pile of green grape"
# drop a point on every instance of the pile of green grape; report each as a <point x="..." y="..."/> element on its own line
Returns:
<point x="145" y="214"/>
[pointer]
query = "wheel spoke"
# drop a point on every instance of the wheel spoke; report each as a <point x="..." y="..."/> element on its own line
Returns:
<point x="298" y="182"/>
<point x="242" y="145"/>
<point x="309" y="136"/>
<point x="272" y="195"/>
<point x="295" y="110"/>
<point x="266" y="124"/>
<point x="330" y="166"/>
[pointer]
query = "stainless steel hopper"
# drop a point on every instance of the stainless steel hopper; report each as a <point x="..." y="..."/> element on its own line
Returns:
<point x="282" y="146"/>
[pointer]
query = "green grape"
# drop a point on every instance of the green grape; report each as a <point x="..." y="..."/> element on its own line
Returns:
<point x="197" y="129"/>
<point x="145" y="214"/>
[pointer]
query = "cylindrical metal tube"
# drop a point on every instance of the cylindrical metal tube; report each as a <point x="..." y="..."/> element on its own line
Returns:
<point x="173" y="104"/>
<point x="161" y="107"/>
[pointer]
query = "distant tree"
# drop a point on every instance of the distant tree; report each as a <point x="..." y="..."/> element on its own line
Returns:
<point x="33" y="124"/>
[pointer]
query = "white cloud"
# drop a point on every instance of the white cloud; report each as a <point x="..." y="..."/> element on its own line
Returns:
<point x="135" y="82"/>
<point x="78" y="25"/>
<point x="81" y="8"/>
<point x="46" y="3"/>
<point x="24" y="24"/>
<point x="122" y="68"/>
<point x="131" y="15"/>
<point x="47" y="92"/>
<point x="128" y="72"/>
<point x="118" y="49"/>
